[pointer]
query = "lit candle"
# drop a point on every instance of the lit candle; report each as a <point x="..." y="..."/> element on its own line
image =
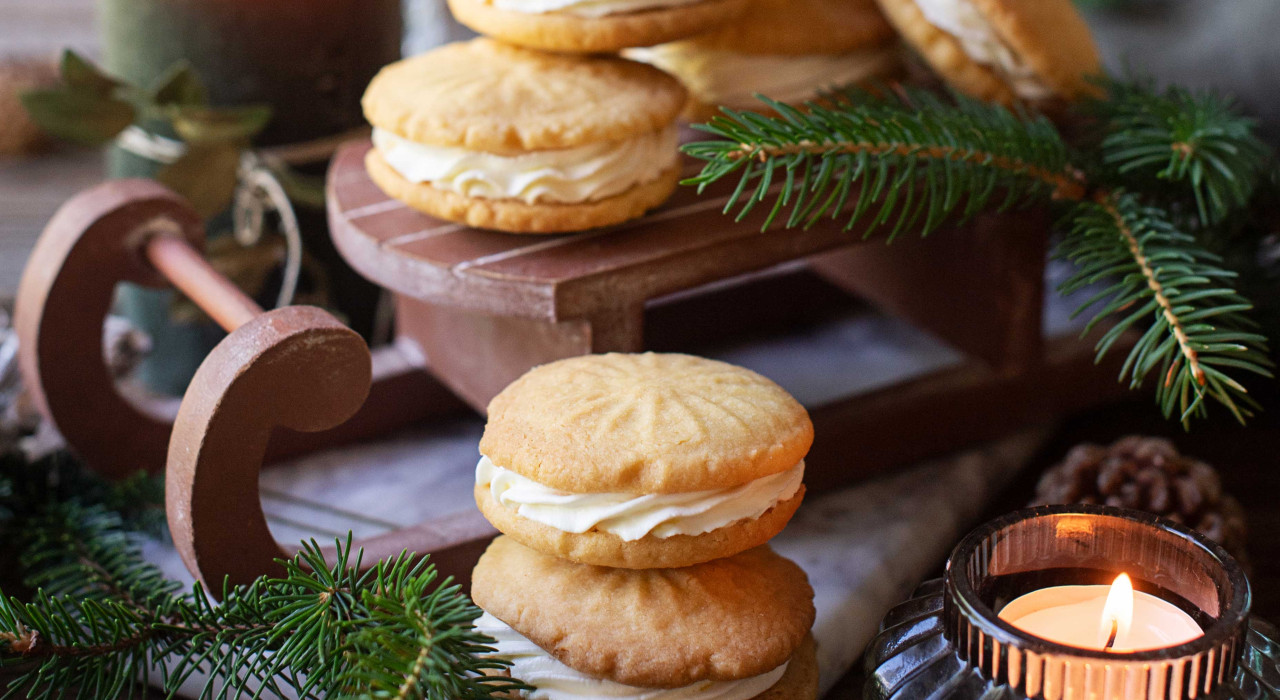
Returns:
<point x="1112" y="618"/>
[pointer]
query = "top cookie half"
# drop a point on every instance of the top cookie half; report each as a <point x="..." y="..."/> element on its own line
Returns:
<point x="486" y="96"/>
<point x="646" y="423"/>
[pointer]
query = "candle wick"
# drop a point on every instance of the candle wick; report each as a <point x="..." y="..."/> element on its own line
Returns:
<point x="1111" y="641"/>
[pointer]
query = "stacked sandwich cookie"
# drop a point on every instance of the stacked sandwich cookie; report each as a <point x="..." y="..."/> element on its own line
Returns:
<point x="788" y="50"/>
<point x="637" y="494"/>
<point x="500" y="133"/>
<point x="1032" y="51"/>
<point x="500" y="137"/>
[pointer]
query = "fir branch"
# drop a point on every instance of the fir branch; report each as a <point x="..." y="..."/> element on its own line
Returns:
<point x="1198" y="333"/>
<point x="1199" y="140"/>
<point x="395" y="658"/>
<point x="921" y="160"/>
<point x="102" y="619"/>
<point x="915" y="160"/>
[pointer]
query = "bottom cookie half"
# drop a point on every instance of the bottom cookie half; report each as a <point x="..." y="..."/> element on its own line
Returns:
<point x="515" y="216"/>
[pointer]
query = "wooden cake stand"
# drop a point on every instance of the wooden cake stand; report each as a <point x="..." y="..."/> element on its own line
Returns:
<point x="484" y="307"/>
<point x="475" y="309"/>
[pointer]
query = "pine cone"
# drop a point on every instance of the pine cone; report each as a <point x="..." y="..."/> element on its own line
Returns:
<point x="18" y="134"/>
<point x="1148" y="474"/>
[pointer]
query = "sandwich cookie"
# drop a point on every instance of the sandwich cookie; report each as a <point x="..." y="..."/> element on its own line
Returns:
<point x="730" y="629"/>
<point x="499" y="137"/>
<point x="1002" y="50"/>
<point x="788" y="50"/>
<point x="592" y="25"/>
<point x="642" y="461"/>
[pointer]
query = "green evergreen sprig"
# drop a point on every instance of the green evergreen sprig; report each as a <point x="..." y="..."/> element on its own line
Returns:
<point x="1155" y="137"/>
<point x="101" y="620"/>
<point x="898" y="160"/>
<point x="907" y="159"/>
<point x="1197" y="331"/>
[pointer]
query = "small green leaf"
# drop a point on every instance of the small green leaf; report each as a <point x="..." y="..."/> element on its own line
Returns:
<point x="206" y="176"/>
<point x="76" y="116"/>
<point x="303" y="189"/>
<point x="79" y="73"/>
<point x="180" y="86"/>
<point x="198" y="125"/>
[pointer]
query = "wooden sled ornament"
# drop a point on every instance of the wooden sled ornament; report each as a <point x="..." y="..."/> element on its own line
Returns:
<point x="475" y="309"/>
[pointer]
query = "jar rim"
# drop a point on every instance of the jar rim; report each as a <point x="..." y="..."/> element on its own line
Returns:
<point x="1228" y="624"/>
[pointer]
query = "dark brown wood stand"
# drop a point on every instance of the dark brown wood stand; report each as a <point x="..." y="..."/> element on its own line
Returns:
<point x="475" y="309"/>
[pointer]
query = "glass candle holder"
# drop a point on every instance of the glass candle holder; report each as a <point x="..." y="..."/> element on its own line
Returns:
<point x="949" y="641"/>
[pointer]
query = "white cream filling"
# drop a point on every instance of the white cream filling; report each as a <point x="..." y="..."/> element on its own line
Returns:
<point x="585" y="8"/>
<point x="631" y="516"/>
<point x="562" y="176"/>
<point x="556" y="681"/>
<point x="732" y="79"/>
<point x="962" y="20"/>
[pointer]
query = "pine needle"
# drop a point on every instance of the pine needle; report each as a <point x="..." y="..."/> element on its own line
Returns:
<point x="921" y="159"/>
<point x="1196" y="335"/>
<point x="101" y="619"/>
<point x="907" y="160"/>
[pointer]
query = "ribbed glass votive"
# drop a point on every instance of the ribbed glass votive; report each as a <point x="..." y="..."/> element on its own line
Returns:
<point x="949" y="642"/>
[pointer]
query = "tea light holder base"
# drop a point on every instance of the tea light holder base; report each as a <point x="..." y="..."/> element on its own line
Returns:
<point x="948" y="642"/>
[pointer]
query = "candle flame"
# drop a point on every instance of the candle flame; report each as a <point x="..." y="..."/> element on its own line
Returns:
<point x="1117" y="614"/>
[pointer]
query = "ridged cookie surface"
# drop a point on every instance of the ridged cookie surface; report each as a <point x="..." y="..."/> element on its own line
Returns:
<point x="658" y="628"/>
<point x="644" y="423"/>
<point x="562" y="31"/>
<point x="487" y="96"/>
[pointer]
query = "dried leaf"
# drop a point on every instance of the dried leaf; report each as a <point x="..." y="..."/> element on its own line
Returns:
<point x="77" y="116"/>
<point x="199" y="125"/>
<point x="206" y="176"/>
<point x="180" y="86"/>
<point x="83" y="75"/>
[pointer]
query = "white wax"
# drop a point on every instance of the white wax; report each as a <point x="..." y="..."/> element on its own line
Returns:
<point x="1073" y="615"/>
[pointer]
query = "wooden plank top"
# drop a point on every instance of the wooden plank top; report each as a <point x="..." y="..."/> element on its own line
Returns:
<point x="685" y="243"/>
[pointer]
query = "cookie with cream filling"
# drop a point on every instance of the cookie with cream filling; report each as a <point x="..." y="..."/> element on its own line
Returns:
<point x="788" y="50"/>
<point x="500" y="137"/>
<point x="731" y="629"/>
<point x="1034" y="51"/>
<point x="593" y="25"/>
<point x="639" y="461"/>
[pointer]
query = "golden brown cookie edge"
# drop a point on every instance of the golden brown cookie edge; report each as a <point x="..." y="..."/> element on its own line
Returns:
<point x="645" y="99"/>
<point x="945" y="54"/>
<point x="777" y="27"/>
<point x="1052" y="37"/>
<point x="798" y="682"/>
<point x="517" y="437"/>
<point x="550" y="601"/>
<point x="565" y="32"/>
<point x="606" y="549"/>
<point x="515" y="216"/>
